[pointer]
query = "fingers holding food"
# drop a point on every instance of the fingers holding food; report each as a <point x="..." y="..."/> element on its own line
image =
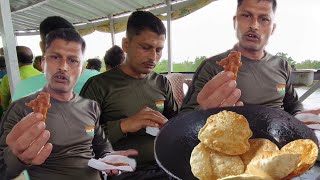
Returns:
<point x="220" y="91"/>
<point x="24" y="125"/>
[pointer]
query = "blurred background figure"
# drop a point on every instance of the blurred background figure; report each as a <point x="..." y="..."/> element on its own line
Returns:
<point x="37" y="63"/>
<point x="93" y="68"/>
<point x="94" y="64"/>
<point x="26" y="69"/>
<point x="113" y="57"/>
<point x="3" y="70"/>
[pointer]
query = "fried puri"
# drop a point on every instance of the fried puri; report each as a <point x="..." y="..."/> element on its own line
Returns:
<point x="257" y="146"/>
<point x="226" y="132"/>
<point x="207" y="164"/>
<point x="246" y="177"/>
<point x="309" y="152"/>
<point x="276" y="164"/>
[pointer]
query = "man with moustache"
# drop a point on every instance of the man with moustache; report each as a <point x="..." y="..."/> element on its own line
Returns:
<point x="132" y="97"/>
<point x="61" y="147"/>
<point x="262" y="79"/>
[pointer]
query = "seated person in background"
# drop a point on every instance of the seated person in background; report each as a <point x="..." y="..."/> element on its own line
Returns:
<point x="25" y="57"/>
<point x="60" y="148"/>
<point x="132" y="97"/>
<point x="113" y="57"/>
<point x="94" y="64"/>
<point x="3" y="70"/>
<point x="93" y="68"/>
<point x="262" y="79"/>
<point x="37" y="63"/>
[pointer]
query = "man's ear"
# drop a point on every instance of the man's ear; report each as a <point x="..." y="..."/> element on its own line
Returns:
<point x="274" y="28"/>
<point x="125" y="44"/>
<point x="234" y="22"/>
<point x="41" y="44"/>
<point x="42" y="63"/>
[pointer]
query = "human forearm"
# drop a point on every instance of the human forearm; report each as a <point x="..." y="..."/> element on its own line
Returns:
<point x="291" y="101"/>
<point x="114" y="131"/>
<point x="101" y="144"/>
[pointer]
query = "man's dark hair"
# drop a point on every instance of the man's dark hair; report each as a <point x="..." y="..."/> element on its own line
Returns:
<point x="114" y="56"/>
<point x="69" y="35"/>
<point x="94" y="63"/>
<point x="24" y="55"/>
<point x="2" y="63"/>
<point x="143" y="20"/>
<point x="274" y="4"/>
<point x="38" y="58"/>
<point x="53" y="23"/>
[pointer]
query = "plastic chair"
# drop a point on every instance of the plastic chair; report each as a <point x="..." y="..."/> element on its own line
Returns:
<point x="179" y="86"/>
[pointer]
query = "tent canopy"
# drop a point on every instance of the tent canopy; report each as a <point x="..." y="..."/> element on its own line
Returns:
<point x="23" y="17"/>
<point x="88" y="16"/>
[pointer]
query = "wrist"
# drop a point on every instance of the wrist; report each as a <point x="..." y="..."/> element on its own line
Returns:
<point x="24" y="163"/>
<point x="123" y="126"/>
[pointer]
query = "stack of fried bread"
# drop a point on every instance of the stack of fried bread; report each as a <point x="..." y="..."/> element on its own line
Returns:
<point x="226" y="152"/>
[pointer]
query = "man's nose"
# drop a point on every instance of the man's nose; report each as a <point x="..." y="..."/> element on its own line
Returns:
<point x="153" y="54"/>
<point x="254" y="25"/>
<point x="63" y="65"/>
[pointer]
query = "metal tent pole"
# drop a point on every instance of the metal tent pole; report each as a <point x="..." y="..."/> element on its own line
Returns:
<point x="112" y="29"/>
<point x="9" y="45"/>
<point x="170" y="66"/>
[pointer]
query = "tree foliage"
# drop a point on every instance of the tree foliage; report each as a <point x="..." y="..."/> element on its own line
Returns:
<point x="185" y="66"/>
<point x="286" y="57"/>
<point x="191" y="66"/>
<point x="306" y="64"/>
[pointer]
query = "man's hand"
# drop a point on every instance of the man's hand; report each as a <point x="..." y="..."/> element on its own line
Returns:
<point x="145" y="117"/>
<point x="28" y="140"/>
<point x="220" y="91"/>
<point x="130" y="152"/>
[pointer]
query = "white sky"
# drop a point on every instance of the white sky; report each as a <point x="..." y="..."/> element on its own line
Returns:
<point x="209" y="31"/>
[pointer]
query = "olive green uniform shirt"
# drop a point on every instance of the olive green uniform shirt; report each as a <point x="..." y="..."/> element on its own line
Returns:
<point x="75" y="134"/>
<point x="120" y="96"/>
<point x="264" y="82"/>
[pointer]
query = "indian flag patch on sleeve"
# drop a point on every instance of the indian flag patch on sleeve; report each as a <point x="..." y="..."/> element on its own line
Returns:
<point x="281" y="88"/>
<point x="90" y="130"/>
<point x="160" y="105"/>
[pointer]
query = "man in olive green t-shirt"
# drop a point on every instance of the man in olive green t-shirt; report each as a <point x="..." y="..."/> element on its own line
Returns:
<point x="262" y="79"/>
<point x="133" y="97"/>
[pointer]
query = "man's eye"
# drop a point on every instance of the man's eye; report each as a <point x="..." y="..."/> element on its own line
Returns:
<point x="74" y="61"/>
<point x="245" y="15"/>
<point x="54" y="57"/>
<point x="159" y="51"/>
